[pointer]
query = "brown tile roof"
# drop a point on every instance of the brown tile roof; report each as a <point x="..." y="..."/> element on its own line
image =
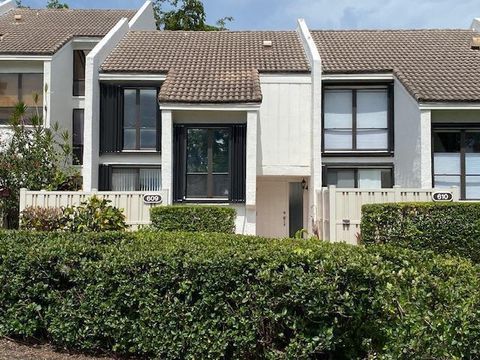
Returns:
<point x="45" y="31"/>
<point x="209" y="67"/>
<point x="434" y="65"/>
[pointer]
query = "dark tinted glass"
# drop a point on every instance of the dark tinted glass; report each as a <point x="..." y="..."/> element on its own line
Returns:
<point x="446" y="142"/>
<point x="197" y="150"/>
<point x="221" y="153"/>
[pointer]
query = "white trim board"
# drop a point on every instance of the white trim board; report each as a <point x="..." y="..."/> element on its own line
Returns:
<point x="450" y="106"/>
<point x="26" y="57"/>
<point x="131" y="77"/>
<point x="209" y="107"/>
<point x="357" y="76"/>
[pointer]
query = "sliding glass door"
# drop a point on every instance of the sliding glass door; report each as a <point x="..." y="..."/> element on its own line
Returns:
<point x="456" y="160"/>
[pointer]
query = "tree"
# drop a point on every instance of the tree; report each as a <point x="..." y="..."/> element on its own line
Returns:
<point x="186" y="15"/>
<point x="32" y="157"/>
<point x="55" y="4"/>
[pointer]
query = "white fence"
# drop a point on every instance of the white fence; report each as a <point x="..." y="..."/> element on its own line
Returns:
<point x="340" y="210"/>
<point x="133" y="204"/>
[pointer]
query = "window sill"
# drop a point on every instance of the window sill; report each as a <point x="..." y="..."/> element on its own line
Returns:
<point x="357" y="153"/>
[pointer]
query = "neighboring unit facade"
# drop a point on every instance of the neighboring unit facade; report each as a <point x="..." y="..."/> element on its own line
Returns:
<point x="263" y="120"/>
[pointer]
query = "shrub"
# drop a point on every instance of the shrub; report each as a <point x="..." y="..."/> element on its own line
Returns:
<point x="194" y="218"/>
<point x="41" y="219"/>
<point x="95" y="214"/>
<point x="191" y="295"/>
<point x="452" y="228"/>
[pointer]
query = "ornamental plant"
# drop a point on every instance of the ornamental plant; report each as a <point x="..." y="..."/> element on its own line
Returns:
<point x="32" y="157"/>
<point x="96" y="215"/>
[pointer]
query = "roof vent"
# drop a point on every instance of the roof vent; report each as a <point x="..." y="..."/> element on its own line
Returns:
<point x="18" y="17"/>
<point x="267" y="43"/>
<point x="476" y="42"/>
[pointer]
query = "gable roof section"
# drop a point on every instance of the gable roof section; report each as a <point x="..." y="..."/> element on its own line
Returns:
<point x="45" y="31"/>
<point x="434" y="65"/>
<point x="209" y="67"/>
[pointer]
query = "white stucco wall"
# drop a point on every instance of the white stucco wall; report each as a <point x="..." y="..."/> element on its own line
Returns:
<point x="92" y="102"/>
<point x="408" y="141"/>
<point x="285" y="126"/>
<point x="455" y="116"/>
<point x="60" y="85"/>
<point x="144" y="19"/>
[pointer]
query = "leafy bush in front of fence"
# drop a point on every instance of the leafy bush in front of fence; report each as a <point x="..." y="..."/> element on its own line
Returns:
<point x="95" y="214"/>
<point x="452" y="228"/>
<point x="194" y="218"/>
<point x="198" y="295"/>
<point x="42" y="219"/>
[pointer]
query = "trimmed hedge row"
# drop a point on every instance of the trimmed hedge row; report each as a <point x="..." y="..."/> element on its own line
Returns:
<point x="208" y="296"/>
<point x="445" y="228"/>
<point x="194" y="218"/>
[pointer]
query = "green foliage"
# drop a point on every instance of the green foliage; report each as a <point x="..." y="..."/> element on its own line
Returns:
<point x="194" y="218"/>
<point x="452" y="228"/>
<point x="55" y="4"/>
<point x="185" y="15"/>
<point x="41" y="219"/>
<point x="95" y="214"/>
<point x="33" y="157"/>
<point x="210" y="296"/>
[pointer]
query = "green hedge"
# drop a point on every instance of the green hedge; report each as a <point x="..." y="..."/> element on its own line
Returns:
<point x="452" y="228"/>
<point x="210" y="296"/>
<point x="194" y="218"/>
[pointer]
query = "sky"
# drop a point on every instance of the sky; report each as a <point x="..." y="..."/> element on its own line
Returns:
<point x="321" y="14"/>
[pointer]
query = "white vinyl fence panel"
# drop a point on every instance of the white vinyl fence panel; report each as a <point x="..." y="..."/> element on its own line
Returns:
<point x="340" y="210"/>
<point x="137" y="212"/>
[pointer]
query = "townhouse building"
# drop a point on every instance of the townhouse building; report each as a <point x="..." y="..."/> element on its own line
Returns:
<point x="263" y="120"/>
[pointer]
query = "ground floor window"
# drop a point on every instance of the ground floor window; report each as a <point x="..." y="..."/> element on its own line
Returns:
<point x="210" y="163"/>
<point x="456" y="160"/>
<point x="136" y="179"/>
<point x="363" y="178"/>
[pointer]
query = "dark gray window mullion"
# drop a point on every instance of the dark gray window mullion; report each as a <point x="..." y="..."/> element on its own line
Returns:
<point x="138" y="119"/>
<point x="355" y="178"/>
<point x="210" y="164"/>
<point x="20" y="89"/>
<point x="463" y="181"/>
<point x="354" y="119"/>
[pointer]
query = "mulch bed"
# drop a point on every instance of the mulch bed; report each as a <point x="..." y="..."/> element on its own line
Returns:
<point x="14" y="350"/>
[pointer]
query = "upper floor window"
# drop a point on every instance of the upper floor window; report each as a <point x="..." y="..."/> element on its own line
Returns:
<point x="140" y="118"/>
<point x="357" y="119"/>
<point x="16" y="87"/>
<point x="79" y="59"/>
<point x="129" y="118"/>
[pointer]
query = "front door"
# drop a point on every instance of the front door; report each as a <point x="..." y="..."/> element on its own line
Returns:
<point x="272" y="208"/>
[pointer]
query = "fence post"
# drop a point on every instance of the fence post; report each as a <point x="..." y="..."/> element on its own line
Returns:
<point x="397" y="193"/>
<point x="456" y="193"/>
<point x="332" y="221"/>
<point x="23" y="199"/>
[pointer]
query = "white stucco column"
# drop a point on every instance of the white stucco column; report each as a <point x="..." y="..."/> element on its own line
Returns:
<point x="315" y="184"/>
<point x="251" y="175"/>
<point x="91" y="134"/>
<point x="167" y="153"/>
<point x="426" y="149"/>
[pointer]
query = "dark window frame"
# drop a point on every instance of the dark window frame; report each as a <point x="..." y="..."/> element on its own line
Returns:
<point x="355" y="168"/>
<point x="138" y="120"/>
<point x="237" y="163"/>
<point x="77" y="89"/>
<point x="210" y="174"/>
<point x="77" y="160"/>
<point x="354" y="86"/>
<point x="461" y="128"/>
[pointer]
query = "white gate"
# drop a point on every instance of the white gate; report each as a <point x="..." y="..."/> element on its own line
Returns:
<point x="340" y="210"/>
